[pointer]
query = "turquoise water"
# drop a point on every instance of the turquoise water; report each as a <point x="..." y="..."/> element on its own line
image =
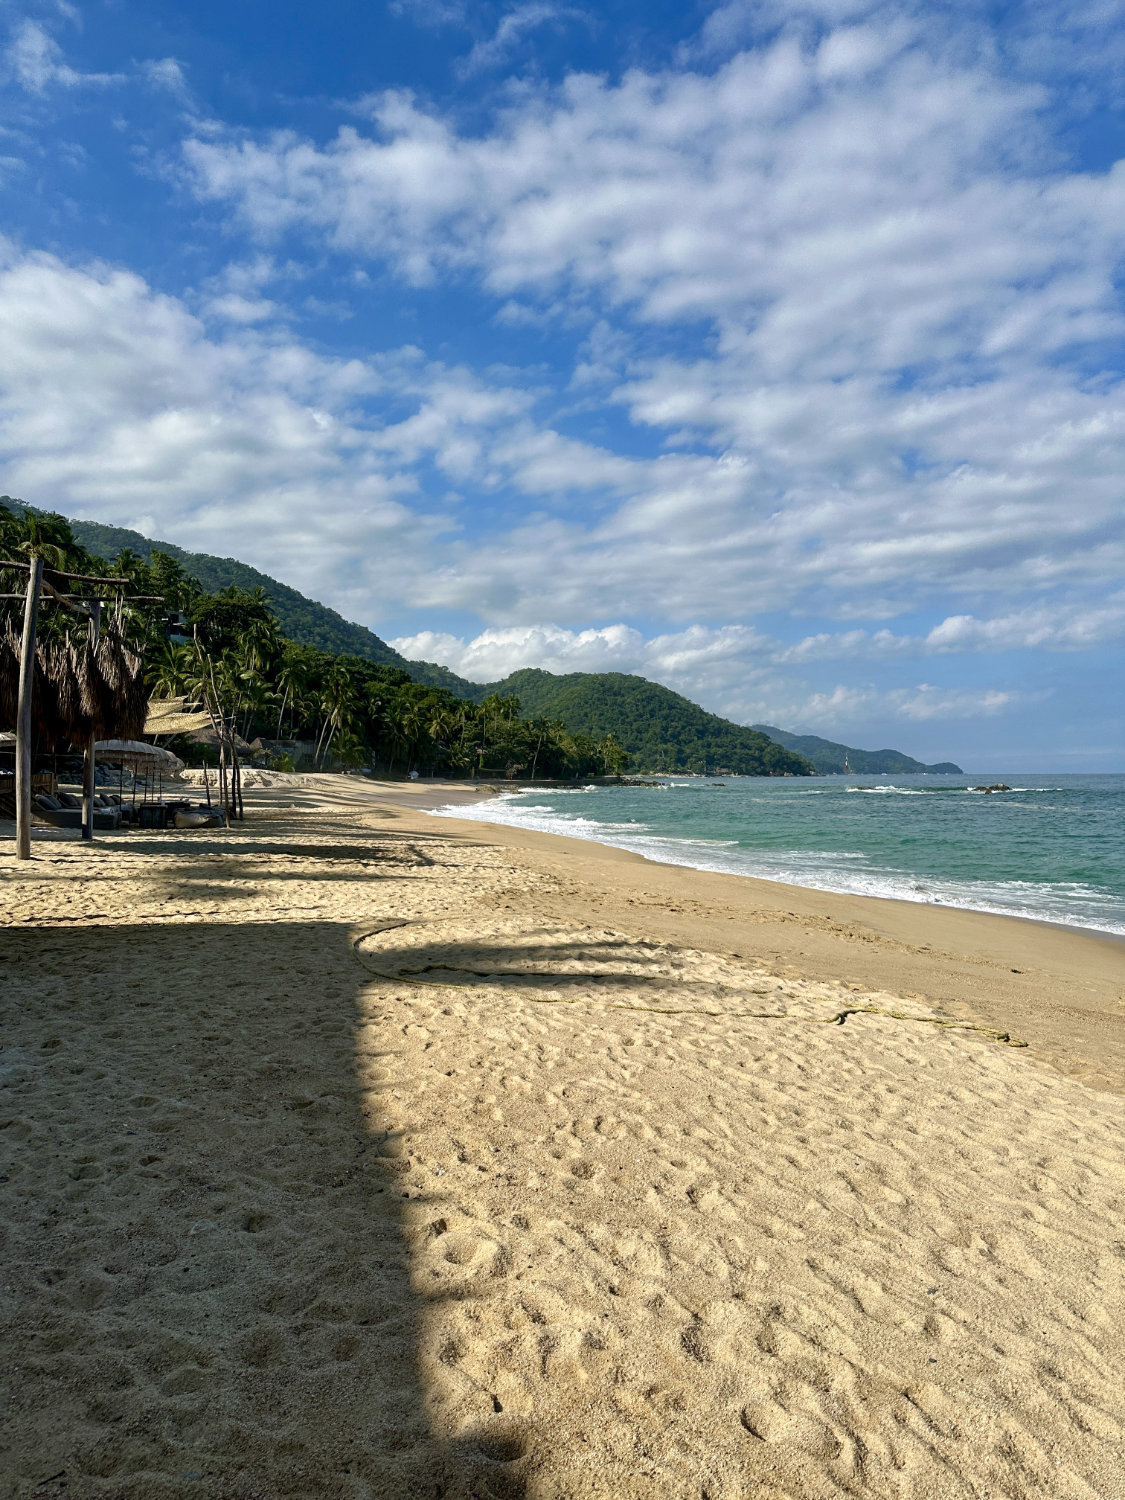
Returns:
<point x="1053" y="847"/>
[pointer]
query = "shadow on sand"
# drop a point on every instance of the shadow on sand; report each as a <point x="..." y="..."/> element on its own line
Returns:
<point x="203" y="1237"/>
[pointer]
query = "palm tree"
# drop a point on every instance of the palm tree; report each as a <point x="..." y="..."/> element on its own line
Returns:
<point x="26" y="536"/>
<point x="48" y="537"/>
<point x="177" y="672"/>
<point x="339" y="702"/>
<point x="292" y="679"/>
<point x="255" y="694"/>
<point x="541" y="729"/>
<point x="441" y="727"/>
<point x="613" y="754"/>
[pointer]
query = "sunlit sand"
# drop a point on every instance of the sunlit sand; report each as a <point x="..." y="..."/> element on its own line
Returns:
<point x="356" y="1153"/>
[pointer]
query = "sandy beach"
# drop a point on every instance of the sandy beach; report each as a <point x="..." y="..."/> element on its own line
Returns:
<point x="356" y="1152"/>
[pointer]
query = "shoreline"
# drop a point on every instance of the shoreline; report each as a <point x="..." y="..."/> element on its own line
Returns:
<point x="1102" y="933"/>
<point x="1010" y="972"/>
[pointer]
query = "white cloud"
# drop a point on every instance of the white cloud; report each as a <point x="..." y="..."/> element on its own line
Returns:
<point x="1059" y="626"/>
<point x="167" y="74"/>
<point x="729" y="670"/>
<point x="118" y="404"/>
<point x="496" y="653"/>
<point x="121" y="403"/>
<point x="724" y="656"/>
<point x="910" y="304"/>
<point x="114" y="400"/>
<point x="236" y="309"/>
<point x="1056" y="627"/>
<point x="36" y="60"/>
<point x="763" y="197"/>
<point x="513" y="27"/>
<point x="741" y="21"/>
<point x="846" y="705"/>
<point x="735" y="671"/>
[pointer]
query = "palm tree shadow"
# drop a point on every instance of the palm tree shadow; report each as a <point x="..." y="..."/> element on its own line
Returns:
<point x="385" y="848"/>
<point x="213" y="1288"/>
<point x="584" y="968"/>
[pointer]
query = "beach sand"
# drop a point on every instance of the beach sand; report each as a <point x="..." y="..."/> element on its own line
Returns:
<point x="360" y="1153"/>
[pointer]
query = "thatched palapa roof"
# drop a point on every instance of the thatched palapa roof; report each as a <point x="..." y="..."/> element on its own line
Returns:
<point x="209" y="736"/>
<point x="171" y="716"/>
<point x="78" y="689"/>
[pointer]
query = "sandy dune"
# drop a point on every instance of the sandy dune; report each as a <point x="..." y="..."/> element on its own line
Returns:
<point x="355" y="1153"/>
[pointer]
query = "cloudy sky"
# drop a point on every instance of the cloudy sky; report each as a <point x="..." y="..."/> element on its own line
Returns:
<point x="771" y="349"/>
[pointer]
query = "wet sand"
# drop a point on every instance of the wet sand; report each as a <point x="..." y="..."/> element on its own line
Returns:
<point x="356" y="1152"/>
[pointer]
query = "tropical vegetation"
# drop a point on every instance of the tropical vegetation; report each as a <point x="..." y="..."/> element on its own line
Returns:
<point x="298" y="618"/>
<point x="307" y="654"/>
<point x="227" y="651"/>
<point x="661" y="730"/>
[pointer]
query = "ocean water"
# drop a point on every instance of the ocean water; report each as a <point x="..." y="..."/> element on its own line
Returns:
<point x="1052" y="848"/>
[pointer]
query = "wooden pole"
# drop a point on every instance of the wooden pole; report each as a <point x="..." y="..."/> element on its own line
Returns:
<point x="223" y="801"/>
<point x="218" y="721"/>
<point x="14" y="562"/>
<point x="94" y="629"/>
<point x="23" y="712"/>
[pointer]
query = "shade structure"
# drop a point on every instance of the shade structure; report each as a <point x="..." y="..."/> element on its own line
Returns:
<point x="172" y="716"/>
<point x="138" y="752"/>
<point x="210" y="736"/>
<point x="78" y="688"/>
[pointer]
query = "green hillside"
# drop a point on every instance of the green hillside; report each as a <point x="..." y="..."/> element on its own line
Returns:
<point x="828" y="757"/>
<point x="660" y="730"/>
<point x="301" y="619"/>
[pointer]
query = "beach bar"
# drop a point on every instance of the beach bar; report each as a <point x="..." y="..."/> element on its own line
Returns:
<point x="69" y="690"/>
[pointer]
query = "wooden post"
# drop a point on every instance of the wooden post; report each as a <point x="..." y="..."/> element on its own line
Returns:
<point x="94" y="629"/>
<point x="23" y="712"/>
<point x="219" y="723"/>
<point x="223" y="801"/>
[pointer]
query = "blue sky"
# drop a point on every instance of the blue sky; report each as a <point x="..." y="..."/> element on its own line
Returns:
<point x="771" y="350"/>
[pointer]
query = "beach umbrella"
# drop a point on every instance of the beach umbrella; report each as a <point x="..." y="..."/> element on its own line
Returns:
<point x="138" y="753"/>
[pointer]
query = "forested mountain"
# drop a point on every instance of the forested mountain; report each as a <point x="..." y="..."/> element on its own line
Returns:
<point x="661" y="730"/>
<point x="828" y="756"/>
<point x="300" y="619"/>
<point x="289" y="705"/>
